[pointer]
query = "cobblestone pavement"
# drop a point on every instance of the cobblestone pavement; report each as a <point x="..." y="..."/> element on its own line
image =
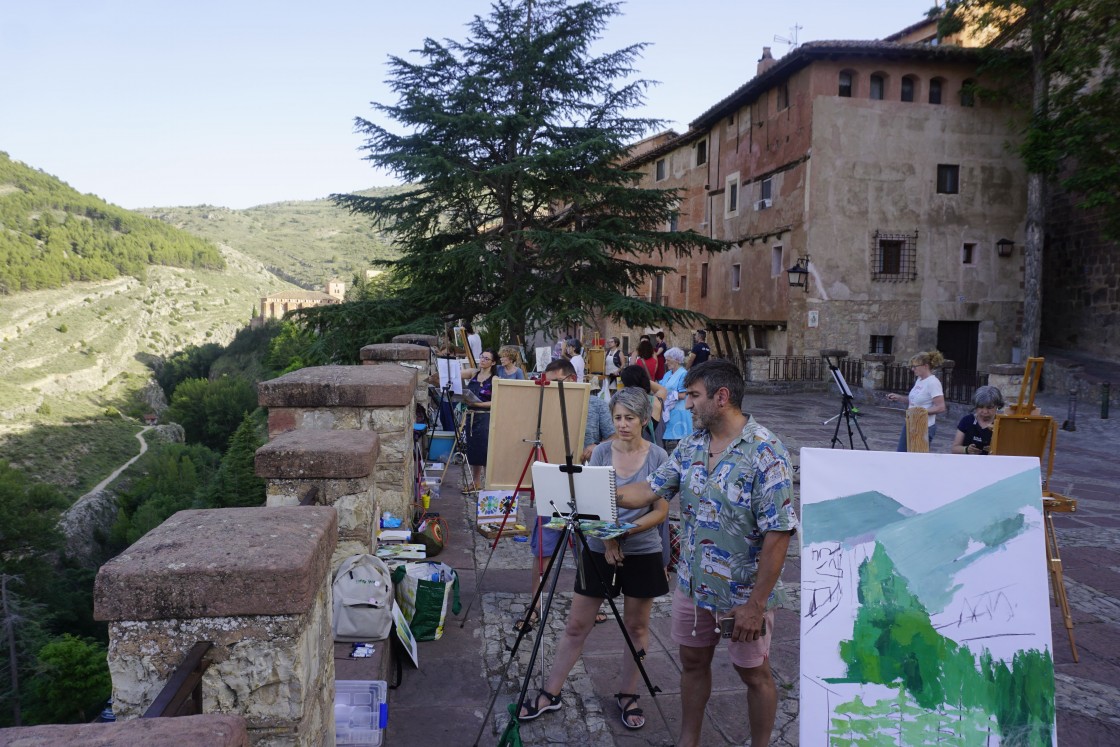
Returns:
<point x="444" y="702"/>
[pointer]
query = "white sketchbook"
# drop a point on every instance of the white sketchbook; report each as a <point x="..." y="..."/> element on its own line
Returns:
<point x="596" y="492"/>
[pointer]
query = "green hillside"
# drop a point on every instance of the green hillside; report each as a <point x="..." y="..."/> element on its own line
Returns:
<point x="51" y="235"/>
<point x="305" y="242"/>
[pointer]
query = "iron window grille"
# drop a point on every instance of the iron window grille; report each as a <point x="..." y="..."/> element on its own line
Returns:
<point x="894" y="256"/>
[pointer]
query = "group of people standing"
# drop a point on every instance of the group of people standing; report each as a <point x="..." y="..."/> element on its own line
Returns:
<point x="675" y="427"/>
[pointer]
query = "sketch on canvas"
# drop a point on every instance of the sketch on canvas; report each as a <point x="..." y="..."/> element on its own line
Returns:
<point x="925" y="615"/>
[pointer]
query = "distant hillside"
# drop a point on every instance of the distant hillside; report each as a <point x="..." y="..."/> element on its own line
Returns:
<point x="51" y="235"/>
<point x="304" y="242"/>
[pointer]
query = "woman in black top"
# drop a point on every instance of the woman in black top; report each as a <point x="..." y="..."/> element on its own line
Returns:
<point x="974" y="432"/>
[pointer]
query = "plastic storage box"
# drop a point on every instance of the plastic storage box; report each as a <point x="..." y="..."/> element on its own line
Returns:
<point x="361" y="710"/>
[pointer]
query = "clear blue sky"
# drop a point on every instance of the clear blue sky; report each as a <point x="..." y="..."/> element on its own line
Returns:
<point x="244" y="102"/>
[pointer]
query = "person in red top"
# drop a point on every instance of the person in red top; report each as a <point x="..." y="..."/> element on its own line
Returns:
<point x="646" y="357"/>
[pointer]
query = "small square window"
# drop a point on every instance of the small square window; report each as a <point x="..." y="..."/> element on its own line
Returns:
<point x="948" y="179"/>
<point x="882" y="344"/>
<point x="701" y="152"/>
<point x="732" y="197"/>
<point x="968" y="253"/>
<point x="674" y="221"/>
<point x="890" y="257"/>
<point x="660" y="167"/>
<point x="766" y="189"/>
<point x="736" y="276"/>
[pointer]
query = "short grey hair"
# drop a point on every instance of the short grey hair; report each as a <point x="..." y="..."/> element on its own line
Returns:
<point x="634" y="400"/>
<point x="987" y="396"/>
<point x="674" y="354"/>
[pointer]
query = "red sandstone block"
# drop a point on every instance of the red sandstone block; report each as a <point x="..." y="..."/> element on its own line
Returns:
<point x="340" y="386"/>
<point x="394" y="351"/>
<point x="318" y="454"/>
<point x="281" y="420"/>
<point x="204" y="730"/>
<point x="221" y="562"/>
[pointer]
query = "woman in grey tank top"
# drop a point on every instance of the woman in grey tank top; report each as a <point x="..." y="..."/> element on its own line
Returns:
<point x="631" y="564"/>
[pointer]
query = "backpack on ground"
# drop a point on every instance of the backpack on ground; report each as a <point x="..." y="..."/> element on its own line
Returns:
<point x="362" y="598"/>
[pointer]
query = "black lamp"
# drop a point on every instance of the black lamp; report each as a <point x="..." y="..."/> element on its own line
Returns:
<point x="799" y="274"/>
<point x="1004" y="247"/>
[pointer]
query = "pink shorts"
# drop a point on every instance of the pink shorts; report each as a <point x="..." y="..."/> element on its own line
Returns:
<point x="696" y="627"/>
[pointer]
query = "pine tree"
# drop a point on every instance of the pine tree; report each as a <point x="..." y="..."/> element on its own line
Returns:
<point x="521" y="212"/>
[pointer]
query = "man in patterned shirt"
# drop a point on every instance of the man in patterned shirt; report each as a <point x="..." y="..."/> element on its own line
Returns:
<point x="735" y="485"/>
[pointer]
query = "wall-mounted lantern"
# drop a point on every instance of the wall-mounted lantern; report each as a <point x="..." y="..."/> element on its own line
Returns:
<point x="799" y="274"/>
<point x="1004" y="247"/>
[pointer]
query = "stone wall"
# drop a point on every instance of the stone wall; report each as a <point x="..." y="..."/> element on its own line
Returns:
<point x="337" y="467"/>
<point x="370" y="398"/>
<point x="253" y="581"/>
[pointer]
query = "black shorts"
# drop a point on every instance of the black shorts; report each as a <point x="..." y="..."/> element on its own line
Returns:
<point x="639" y="576"/>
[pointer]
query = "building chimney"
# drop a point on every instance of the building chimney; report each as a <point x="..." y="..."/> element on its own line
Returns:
<point x="766" y="62"/>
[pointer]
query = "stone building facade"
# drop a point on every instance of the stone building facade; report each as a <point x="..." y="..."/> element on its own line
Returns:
<point x="876" y="162"/>
<point x="276" y="305"/>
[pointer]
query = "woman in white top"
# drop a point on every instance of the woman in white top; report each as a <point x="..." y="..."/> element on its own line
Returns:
<point x="927" y="392"/>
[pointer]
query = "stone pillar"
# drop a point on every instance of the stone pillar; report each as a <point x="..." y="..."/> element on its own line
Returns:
<point x="1008" y="379"/>
<point x="756" y="364"/>
<point x="338" y="466"/>
<point x="874" y="371"/>
<point x="256" y="583"/>
<point x="368" y="398"/>
<point x="416" y="358"/>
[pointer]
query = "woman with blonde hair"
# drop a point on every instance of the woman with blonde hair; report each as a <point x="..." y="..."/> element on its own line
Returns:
<point x="509" y="363"/>
<point x="926" y="392"/>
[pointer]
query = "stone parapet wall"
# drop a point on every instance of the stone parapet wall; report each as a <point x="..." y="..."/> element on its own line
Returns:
<point x="368" y="398"/>
<point x="204" y="730"/>
<point x="756" y="365"/>
<point x="253" y="581"/>
<point x="414" y="357"/>
<point x="338" y="466"/>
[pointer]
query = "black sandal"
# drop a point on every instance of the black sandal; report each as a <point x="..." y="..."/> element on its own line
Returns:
<point x="629" y="709"/>
<point x="532" y="710"/>
<point x="520" y="624"/>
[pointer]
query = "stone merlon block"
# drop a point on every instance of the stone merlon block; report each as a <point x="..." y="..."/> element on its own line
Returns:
<point x="203" y="730"/>
<point x="394" y="351"/>
<point x="430" y="340"/>
<point x="340" y="386"/>
<point x="221" y="563"/>
<point x="313" y="454"/>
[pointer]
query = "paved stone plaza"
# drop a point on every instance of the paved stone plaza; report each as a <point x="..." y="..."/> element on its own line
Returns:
<point x="444" y="701"/>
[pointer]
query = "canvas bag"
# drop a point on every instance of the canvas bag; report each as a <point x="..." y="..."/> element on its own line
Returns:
<point x="425" y="602"/>
<point x="362" y="597"/>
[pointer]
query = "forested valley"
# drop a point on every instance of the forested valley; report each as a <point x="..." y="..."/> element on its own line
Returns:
<point x="60" y="661"/>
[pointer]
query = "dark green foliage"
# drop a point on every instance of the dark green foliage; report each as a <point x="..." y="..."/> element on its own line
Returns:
<point x="210" y="411"/>
<point x="190" y="363"/>
<point x="71" y="682"/>
<point x="289" y="349"/>
<point x="51" y="235"/>
<point x="28" y="521"/>
<point x="173" y="477"/>
<point x="894" y="644"/>
<point x="236" y="483"/>
<point x="523" y="214"/>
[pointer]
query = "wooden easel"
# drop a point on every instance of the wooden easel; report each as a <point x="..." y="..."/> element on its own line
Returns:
<point x="1036" y="435"/>
<point x="1032" y="374"/>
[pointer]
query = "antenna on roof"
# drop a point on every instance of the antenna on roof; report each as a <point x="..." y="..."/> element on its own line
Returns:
<point x="792" y="40"/>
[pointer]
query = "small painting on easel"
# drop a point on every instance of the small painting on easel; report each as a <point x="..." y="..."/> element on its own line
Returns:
<point x="493" y="504"/>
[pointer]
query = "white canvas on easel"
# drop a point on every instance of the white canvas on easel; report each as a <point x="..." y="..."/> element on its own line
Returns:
<point x="923" y="577"/>
<point x="542" y="358"/>
<point x="595" y="492"/>
<point x="450" y="373"/>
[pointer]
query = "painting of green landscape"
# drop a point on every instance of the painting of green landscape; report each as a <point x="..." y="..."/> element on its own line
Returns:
<point x="925" y="613"/>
